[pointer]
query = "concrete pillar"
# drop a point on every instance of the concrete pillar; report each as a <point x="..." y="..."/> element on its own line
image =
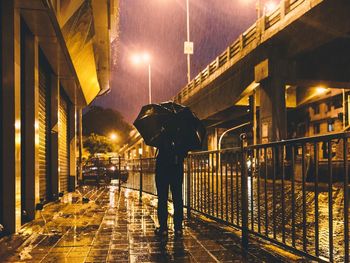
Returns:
<point x="72" y="139"/>
<point x="271" y="76"/>
<point x="213" y="139"/>
<point x="31" y="122"/>
<point x="11" y="117"/>
<point x="54" y="102"/>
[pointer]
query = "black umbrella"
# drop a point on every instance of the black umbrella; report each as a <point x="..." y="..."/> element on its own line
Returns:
<point x="190" y="131"/>
<point x="172" y="106"/>
<point x="157" y="123"/>
<point x="151" y="123"/>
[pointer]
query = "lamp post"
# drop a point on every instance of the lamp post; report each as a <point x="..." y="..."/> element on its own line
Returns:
<point x="145" y="58"/>
<point x="149" y="84"/>
<point x="258" y="8"/>
<point x="188" y="46"/>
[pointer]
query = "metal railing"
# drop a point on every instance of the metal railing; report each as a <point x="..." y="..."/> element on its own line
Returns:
<point x="293" y="193"/>
<point x="250" y="38"/>
<point x="141" y="176"/>
<point x="305" y="195"/>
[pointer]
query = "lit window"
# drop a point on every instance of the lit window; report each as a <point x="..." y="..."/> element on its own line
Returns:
<point x="330" y="125"/>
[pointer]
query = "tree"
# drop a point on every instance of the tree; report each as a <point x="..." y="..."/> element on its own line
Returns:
<point x="95" y="143"/>
<point x="104" y="121"/>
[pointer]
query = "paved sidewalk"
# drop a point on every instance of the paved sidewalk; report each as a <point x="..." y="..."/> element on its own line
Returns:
<point x="115" y="227"/>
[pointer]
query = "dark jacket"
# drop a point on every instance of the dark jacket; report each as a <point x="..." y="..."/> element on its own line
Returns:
<point x="171" y="152"/>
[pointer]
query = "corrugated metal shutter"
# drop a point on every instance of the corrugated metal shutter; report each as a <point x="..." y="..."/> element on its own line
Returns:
<point x="43" y="134"/>
<point x="63" y="145"/>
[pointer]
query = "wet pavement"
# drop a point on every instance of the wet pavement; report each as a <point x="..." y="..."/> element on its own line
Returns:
<point x="270" y="209"/>
<point x="115" y="227"/>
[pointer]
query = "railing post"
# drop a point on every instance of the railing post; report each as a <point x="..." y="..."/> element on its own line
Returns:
<point x="120" y="172"/>
<point x="241" y="42"/>
<point x="141" y="180"/>
<point x="346" y="198"/>
<point x="188" y="185"/>
<point x="217" y="63"/>
<point x="228" y="50"/>
<point x="282" y="9"/>
<point x="244" y="193"/>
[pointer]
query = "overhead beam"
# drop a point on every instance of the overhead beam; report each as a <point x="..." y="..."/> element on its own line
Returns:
<point x="319" y="83"/>
<point x="67" y="9"/>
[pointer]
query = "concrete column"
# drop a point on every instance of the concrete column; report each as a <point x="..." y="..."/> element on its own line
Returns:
<point x="271" y="76"/>
<point x="213" y="139"/>
<point x="31" y="122"/>
<point x="54" y="102"/>
<point x="72" y="139"/>
<point x="10" y="187"/>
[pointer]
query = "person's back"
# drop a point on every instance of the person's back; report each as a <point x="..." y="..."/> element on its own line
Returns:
<point x="169" y="173"/>
<point x="171" y="152"/>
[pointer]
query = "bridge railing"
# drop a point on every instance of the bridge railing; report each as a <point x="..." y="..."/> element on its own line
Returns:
<point x="241" y="46"/>
<point x="294" y="193"/>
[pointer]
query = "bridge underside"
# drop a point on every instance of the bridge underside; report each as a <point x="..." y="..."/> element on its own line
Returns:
<point x="284" y="70"/>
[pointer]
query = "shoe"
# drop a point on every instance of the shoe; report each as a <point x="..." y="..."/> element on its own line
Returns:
<point x="161" y="232"/>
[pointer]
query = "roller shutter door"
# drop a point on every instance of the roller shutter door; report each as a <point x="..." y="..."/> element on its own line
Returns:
<point x="44" y="84"/>
<point x="63" y="145"/>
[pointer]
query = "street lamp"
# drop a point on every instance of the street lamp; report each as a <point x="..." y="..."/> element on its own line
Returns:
<point x="144" y="58"/>
<point x="270" y="6"/>
<point x="113" y="136"/>
<point x="188" y="45"/>
<point x="265" y="7"/>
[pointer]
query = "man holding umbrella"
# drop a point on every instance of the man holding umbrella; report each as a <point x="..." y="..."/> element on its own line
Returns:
<point x="174" y="130"/>
<point x="169" y="173"/>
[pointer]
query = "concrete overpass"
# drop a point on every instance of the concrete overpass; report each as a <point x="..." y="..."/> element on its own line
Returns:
<point x="301" y="44"/>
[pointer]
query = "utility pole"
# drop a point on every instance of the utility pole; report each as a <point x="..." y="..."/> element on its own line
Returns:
<point x="188" y="47"/>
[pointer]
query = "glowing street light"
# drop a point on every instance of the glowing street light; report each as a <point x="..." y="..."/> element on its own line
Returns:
<point x="320" y="90"/>
<point x="144" y="58"/>
<point x="263" y="6"/>
<point x="113" y="136"/>
<point x="270" y="6"/>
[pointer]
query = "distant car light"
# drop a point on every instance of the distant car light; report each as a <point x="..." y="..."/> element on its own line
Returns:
<point x="112" y="168"/>
<point x="94" y="168"/>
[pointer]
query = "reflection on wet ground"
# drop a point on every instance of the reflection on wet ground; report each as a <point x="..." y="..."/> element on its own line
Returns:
<point x="115" y="227"/>
<point x="270" y="208"/>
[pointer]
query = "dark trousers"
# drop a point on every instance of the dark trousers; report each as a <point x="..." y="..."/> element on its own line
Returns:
<point x="169" y="176"/>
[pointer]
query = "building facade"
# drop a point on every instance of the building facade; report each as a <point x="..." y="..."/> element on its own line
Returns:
<point x="55" y="59"/>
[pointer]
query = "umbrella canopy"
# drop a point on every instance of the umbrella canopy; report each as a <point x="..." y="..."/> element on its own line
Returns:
<point x="190" y="131"/>
<point x="158" y="122"/>
<point x="151" y="123"/>
<point x="172" y="106"/>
